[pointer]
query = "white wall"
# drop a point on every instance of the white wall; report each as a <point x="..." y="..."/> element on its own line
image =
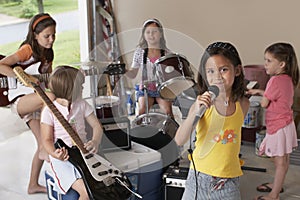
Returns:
<point x="192" y="24"/>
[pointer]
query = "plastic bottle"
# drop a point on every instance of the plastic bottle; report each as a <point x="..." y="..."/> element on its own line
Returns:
<point x="130" y="105"/>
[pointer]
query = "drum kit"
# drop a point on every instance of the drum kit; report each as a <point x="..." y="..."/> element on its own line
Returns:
<point x="153" y="129"/>
<point x="157" y="130"/>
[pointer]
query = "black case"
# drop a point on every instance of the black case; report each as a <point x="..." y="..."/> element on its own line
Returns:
<point x="116" y="134"/>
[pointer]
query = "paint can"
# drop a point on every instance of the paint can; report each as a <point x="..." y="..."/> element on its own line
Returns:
<point x="252" y="116"/>
<point x="260" y="135"/>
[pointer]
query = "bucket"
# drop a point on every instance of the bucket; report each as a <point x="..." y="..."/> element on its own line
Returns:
<point x="252" y="116"/>
<point x="260" y="135"/>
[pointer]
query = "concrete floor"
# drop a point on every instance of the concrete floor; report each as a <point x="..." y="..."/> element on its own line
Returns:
<point x="17" y="145"/>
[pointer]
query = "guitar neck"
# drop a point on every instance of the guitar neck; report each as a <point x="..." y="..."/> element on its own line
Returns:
<point x="42" y="77"/>
<point x="111" y="69"/>
<point x="76" y="139"/>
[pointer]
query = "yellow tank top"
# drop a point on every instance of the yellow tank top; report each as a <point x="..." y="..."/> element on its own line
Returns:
<point x="218" y="143"/>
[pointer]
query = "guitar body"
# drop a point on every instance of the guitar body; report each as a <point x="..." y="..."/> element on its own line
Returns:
<point x="10" y="88"/>
<point x="105" y="189"/>
<point x="3" y="91"/>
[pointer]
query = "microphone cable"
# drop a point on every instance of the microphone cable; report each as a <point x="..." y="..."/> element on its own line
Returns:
<point x="190" y="157"/>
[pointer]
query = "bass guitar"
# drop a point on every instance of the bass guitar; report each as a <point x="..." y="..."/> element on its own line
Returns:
<point x="102" y="180"/>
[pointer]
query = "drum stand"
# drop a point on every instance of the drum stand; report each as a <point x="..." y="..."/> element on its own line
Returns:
<point x="146" y="120"/>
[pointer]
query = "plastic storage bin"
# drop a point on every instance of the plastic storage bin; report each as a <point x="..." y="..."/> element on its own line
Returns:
<point x="143" y="166"/>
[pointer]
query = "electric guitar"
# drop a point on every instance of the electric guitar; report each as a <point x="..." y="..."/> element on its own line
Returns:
<point x="102" y="180"/>
<point x="10" y="88"/>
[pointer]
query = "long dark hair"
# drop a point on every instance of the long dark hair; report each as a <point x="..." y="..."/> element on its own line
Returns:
<point x="284" y="52"/>
<point x="228" y="51"/>
<point x="37" y="24"/>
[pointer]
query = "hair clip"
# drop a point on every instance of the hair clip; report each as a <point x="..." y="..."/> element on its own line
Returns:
<point x="223" y="45"/>
<point x="153" y="20"/>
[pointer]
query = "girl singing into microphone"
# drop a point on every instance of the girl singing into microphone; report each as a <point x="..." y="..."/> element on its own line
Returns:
<point x="215" y="166"/>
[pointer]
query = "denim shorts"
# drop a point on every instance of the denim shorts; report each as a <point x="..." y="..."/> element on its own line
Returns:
<point x="229" y="191"/>
<point x="151" y="93"/>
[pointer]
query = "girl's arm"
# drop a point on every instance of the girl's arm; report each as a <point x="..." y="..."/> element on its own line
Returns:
<point x="131" y="73"/>
<point x="47" y="135"/>
<point x="93" y="144"/>
<point x="255" y="92"/>
<point x="245" y="103"/>
<point x="6" y="63"/>
<point x="264" y="101"/>
<point x="186" y="128"/>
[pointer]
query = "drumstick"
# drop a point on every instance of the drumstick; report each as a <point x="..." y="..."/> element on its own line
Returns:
<point x="108" y="85"/>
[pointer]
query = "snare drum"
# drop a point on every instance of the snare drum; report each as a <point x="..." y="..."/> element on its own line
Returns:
<point x="107" y="106"/>
<point x="174" y="75"/>
<point x="157" y="131"/>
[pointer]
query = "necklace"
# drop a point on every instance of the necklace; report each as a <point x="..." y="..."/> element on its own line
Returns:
<point x="226" y="103"/>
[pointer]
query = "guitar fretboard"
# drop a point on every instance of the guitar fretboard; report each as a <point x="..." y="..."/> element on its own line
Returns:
<point x="42" y="77"/>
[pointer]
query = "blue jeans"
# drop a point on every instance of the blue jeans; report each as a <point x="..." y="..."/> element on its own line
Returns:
<point x="229" y="191"/>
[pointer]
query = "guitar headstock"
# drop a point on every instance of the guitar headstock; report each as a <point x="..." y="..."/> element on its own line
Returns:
<point x="25" y="78"/>
<point x="115" y="68"/>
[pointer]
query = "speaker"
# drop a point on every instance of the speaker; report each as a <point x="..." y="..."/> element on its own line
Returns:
<point x="116" y="134"/>
<point x="175" y="178"/>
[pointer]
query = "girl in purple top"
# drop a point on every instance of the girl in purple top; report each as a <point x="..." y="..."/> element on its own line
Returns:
<point x="281" y="137"/>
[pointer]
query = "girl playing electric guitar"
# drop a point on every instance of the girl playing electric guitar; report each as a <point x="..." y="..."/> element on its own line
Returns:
<point x="66" y="83"/>
<point x="37" y="47"/>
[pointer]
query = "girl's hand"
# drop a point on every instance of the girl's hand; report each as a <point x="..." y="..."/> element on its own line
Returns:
<point x="204" y="99"/>
<point x="61" y="154"/>
<point x="91" y="146"/>
<point x="255" y="92"/>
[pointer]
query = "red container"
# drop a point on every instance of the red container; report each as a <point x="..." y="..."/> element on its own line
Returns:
<point x="257" y="73"/>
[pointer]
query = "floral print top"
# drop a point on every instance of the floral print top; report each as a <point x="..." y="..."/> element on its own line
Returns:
<point x="218" y="141"/>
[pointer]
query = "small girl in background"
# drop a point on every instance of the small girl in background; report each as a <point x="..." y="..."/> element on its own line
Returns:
<point x="215" y="167"/>
<point x="152" y="46"/>
<point x="66" y="83"/>
<point x="281" y="137"/>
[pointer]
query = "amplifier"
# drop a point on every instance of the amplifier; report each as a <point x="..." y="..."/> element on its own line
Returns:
<point x="116" y="134"/>
<point x="175" y="178"/>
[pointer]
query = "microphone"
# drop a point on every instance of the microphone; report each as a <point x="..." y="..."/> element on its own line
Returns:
<point x="214" y="92"/>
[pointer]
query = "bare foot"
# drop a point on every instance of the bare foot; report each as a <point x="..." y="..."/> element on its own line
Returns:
<point x="43" y="155"/>
<point x="36" y="189"/>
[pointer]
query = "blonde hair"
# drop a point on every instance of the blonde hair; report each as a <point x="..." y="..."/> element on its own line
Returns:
<point x="66" y="82"/>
